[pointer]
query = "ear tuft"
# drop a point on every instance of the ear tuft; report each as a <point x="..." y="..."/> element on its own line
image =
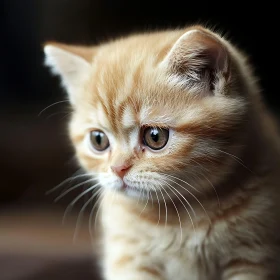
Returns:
<point x="71" y="63"/>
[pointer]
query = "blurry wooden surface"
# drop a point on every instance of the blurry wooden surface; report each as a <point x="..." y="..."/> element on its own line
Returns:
<point x="35" y="245"/>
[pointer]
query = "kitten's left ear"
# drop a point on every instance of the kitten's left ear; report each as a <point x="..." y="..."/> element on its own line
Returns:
<point x="199" y="61"/>
<point x="71" y="63"/>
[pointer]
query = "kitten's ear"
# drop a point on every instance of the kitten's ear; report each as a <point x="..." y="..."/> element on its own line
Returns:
<point x="71" y="63"/>
<point x="200" y="61"/>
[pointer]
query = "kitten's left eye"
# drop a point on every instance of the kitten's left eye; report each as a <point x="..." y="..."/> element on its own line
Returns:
<point x="155" y="138"/>
<point x="99" y="140"/>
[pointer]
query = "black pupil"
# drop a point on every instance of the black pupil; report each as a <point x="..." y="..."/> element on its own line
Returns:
<point x="155" y="135"/>
<point x="98" y="137"/>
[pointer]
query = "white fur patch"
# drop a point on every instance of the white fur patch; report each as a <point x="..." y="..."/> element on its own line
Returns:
<point x="128" y="118"/>
<point x="146" y="117"/>
<point x="72" y="69"/>
<point x="134" y="138"/>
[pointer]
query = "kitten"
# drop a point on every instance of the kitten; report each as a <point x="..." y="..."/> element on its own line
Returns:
<point x="172" y="125"/>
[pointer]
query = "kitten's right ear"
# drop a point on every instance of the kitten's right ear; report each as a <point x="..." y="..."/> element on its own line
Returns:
<point x="71" y="63"/>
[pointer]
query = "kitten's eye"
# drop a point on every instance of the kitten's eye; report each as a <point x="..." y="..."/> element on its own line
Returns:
<point x="99" y="140"/>
<point x="155" y="138"/>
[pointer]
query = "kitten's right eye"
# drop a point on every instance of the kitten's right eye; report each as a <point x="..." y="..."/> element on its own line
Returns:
<point x="99" y="140"/>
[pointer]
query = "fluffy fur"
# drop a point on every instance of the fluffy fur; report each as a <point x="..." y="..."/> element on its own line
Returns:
<point x="206" y="205"/>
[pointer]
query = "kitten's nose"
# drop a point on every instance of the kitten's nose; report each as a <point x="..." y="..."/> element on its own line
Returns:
<point x="121" y="169"/>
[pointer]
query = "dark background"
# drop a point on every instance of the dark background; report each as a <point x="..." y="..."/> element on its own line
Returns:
<point x="34" y="150"/>
<point x="35" y="153"/>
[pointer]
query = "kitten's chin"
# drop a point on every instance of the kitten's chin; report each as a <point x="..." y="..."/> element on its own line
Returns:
<point x="130" y="191"/>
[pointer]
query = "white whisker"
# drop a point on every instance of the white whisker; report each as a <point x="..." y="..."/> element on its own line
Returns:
<point x="168" y="175"/>
<point x="165" y="205"/>
<point x="182" y="197"/>
<point x="145" y="204"/>
<point x="66" y="181"/>
<point x="58" y="102"/>
<point x="79" y="219"/>
<point x="98" y="211"/>
<point x="237" y="159"/>
<point x="57" y="113"/>
<point x="73" y="202"/>
<point x="179" y="218"/>
<point x="218" y="199"/>
<point x="158" y="205"/>
<point x="73" y="188"/>
<point x="150" y="193"/>
<point x="194" y="198"/>
<point x="92" y="212"/>
<point x="139" y="197"/>
<point x="184" y="205"/>
<point x="197" y="163"/>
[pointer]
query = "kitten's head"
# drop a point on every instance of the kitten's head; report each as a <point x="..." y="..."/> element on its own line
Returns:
<point x="158" y="113"/>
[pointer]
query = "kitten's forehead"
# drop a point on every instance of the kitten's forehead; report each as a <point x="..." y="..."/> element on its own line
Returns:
<point x="130" y="88"/>
<point x="122" y="115"/>
<point x="115" y="102"/>
<point x="124" y="93"/>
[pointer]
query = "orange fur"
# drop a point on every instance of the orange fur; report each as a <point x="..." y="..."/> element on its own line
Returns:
<point x="206" y="205"/>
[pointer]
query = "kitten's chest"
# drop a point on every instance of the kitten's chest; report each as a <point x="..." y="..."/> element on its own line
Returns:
<point x="191" y="254"/>
<point x="182" y="250"/>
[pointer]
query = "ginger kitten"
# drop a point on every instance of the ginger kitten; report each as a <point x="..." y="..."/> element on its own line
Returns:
<point x="172" y="126"/>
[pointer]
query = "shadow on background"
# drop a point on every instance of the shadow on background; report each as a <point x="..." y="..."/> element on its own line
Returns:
<point x="35" y="154"/>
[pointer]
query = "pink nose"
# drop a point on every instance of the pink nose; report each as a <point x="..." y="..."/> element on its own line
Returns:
<point x="121" y="169"/>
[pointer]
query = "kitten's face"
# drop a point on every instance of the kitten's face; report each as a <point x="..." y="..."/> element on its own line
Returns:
<point x="146" y="123"/>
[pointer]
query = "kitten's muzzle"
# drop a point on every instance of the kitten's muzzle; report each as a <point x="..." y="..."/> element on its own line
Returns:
<point x="121" y="170"/>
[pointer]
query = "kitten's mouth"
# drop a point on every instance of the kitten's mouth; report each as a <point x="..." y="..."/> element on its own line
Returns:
<point x="130" y="191"/>
<point x="125" y="187"/>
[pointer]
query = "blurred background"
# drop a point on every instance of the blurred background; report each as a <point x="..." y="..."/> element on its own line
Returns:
<point x="35" y="154"/>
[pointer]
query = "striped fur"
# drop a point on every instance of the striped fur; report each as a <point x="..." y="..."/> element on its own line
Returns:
<point x="205" y="206"/>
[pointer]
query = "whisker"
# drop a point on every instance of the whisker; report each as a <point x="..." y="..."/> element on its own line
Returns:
<point x="58" y="102"/>
<point x="165" y="205"/>
<point x="92" y="213"/>
<point x="184" y="205"/>
<point x="179" y="218"/>
<point x="197" y="163"/>
<point x="57" y="113"/>
<point x="139" y="197"/>
<point x="237" y="159"/>
<point x="73" y="202"/>
<point x="183" y="198"/>
<point x="73" y="188"/>
<point x="66" y="115"/>
<point x="96" y="205"/>
<point x="218" y="199"/>
<point x="66" y="181"/>
<point x="194" y="198"/>
<point x="98" y="210"/>
<point x="79" y="219"/>
<point x="145" y="204"/>
<point x="168" y="175"/>
<point x="158" y="205"/>
<point x="150" y="193"/>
